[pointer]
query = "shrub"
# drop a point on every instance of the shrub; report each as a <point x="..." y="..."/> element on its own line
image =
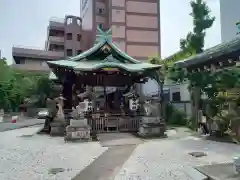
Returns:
<point x="175" y="116"/>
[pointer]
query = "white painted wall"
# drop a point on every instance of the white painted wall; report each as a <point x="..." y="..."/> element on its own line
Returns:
<point x="182" y="88"/>
<point x="87" y="14"/>
<point x="230" y="14"/>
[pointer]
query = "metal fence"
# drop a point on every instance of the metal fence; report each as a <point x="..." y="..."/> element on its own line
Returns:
<point x="184" y="106"/>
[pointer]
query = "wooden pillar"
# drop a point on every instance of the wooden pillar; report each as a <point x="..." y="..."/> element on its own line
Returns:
<point x="105" y="98"/>
<point x="67" y="94"/>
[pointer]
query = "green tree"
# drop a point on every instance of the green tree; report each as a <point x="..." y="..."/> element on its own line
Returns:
<point x="16" y="86"/>
<point x="202" y="20"/>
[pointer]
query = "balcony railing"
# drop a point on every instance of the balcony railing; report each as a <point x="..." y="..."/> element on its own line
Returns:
<point x="30" y="67"/>
<point x="30" y="52"/>
<point x="28" y="47"/>
<point x="56" y="39"/>
<point x="56" y="22"/>
<point x="56" y="19"/>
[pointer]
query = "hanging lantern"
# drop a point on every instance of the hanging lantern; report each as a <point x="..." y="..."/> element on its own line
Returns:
<point x="134" y="104"/>
<point x="89" y="106"/>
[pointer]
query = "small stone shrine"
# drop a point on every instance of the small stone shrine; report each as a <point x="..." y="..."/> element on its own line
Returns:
<point x="151" y="124"/>
<point x="79" y="128"/>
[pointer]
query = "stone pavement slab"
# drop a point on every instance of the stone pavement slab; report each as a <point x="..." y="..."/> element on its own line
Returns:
<point x="107" y="165"/>
<point x="219" y="171"/>
<point x="27" y="155"/>
<point x="118" y="139"/>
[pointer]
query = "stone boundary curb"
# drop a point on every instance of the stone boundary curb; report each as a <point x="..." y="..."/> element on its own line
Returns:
<point x="20" y="127"/>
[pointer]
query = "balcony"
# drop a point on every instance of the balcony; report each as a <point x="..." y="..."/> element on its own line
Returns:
<point x="56" y="23"/>
<point x="23" y="51"/>
<point x="56" y="40"/>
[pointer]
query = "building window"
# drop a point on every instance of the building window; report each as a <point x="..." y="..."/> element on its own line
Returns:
<point x="69" y="21"/>
<point x="79" y="22"/>
<point x="69" y="52"/>
<point x="176" y="96"/>
<point x="22" y="61"/>
<point x="79" y="52"/>
<point x="238" y="27"/>
<point x="79" y="37"/>
<point x="100" y="26"/>
<point x="101" y="11"/>
<point x="69" y="36"/>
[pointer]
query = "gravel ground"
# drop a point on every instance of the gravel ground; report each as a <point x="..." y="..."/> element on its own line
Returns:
<point x="169" y="159"/>
<point x="25" y="155"/>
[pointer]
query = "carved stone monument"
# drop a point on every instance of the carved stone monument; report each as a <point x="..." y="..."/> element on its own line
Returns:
<point x="79" y="128"/>
<point x="58" y="124"/>
<point x="151" y="124"/>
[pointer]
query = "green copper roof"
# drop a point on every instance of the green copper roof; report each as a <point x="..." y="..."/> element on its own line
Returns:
<point x="108" y="62"/>
<point x="104" y="54"/>
<point x="212" y="53"/>
<point x="104" y="38"/>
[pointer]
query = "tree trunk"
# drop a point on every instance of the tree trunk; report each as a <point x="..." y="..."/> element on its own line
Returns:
<point x="196" y="95"/>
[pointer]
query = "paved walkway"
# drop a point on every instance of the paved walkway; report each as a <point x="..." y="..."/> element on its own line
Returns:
<point x="118" y="139"/>
<point x="107" y="165"/>
<point x="121" y="146"/>
<point x="6" y="126"/>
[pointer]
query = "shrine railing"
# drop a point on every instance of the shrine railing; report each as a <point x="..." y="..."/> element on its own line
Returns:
<point x="115" y="122"/>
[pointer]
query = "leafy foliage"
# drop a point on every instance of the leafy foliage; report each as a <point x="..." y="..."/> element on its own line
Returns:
<point x="202" y="20"/>
<point x="194" y="40"/>
<point x="175" y="116"/>
<point x="16" y="86"/>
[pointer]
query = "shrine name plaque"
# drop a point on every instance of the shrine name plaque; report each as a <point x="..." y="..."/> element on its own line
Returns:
<point x="81" y="134"/>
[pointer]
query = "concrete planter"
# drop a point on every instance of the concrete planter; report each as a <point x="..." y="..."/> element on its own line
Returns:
<point x="236" y="164"/>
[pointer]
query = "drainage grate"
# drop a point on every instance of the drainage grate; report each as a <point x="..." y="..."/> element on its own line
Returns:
<point x="27" y="135"/>
<point x="56" y="170"/>
<point x="197" y="154"/>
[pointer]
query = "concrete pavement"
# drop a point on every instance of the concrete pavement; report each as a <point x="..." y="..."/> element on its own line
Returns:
<point x="6" y="126"/>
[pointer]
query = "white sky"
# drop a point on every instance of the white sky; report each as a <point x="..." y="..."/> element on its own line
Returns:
<point x="24" y="22"/>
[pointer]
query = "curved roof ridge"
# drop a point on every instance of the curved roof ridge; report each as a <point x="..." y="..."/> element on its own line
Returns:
<point x="86" y="53"/>
<point x="119" y="51"/>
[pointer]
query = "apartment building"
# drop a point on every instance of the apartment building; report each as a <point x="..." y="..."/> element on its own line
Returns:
<point x="65" y="38"/>
<point x="230" y="19"/>
<point x="135" y="28"/>
<point x="135" y="24"/>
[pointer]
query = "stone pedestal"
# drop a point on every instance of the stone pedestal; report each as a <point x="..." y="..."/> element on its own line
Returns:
<point x="1" y="115"/>
<point x="236" y="163"/>
<point x="151" y="127"/>
<point x="78" y="130"/>
<point x="57" y="128"/>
